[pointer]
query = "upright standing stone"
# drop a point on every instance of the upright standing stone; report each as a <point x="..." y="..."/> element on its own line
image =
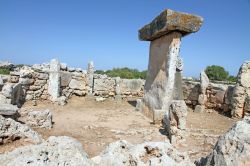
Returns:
<point x="118" y="96"/>
<point x="241" y="91"/>
<point x="163" y="76"/>
<point x="54" y="80"/>
<point x="90" y="74"/>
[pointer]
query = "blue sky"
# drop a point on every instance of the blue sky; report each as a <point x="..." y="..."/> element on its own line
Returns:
<point x="77" y="31"/>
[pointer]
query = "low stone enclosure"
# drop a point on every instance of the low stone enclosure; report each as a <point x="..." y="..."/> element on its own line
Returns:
<point x="164" y="97"/>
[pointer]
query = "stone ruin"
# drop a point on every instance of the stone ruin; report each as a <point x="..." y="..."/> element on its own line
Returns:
<point x="163" y="96"/>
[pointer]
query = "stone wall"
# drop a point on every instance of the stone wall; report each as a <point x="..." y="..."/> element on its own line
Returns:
<point x="31" y="83"/>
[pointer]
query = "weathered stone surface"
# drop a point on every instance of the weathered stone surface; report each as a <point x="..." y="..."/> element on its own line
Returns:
<point x="40" y="119"/>
<point x="131" y="85"/>
<point x="90" y="77"/>
<point x="103" y="85"/>
<point x="54" y="80"/>
<point x="244" y="75"/>
<point x="247" y="107"/>
<point x="64" y="66"/>
<point x="149" y="153"/>
<point x="42" y="76"/>
<point x="7" y="90"/>
<point x="199" y="108"/>
<point x="75" y="84"/>
<point x="65" y="78"/>
<point x="204" y="82"/>
<point x="26" y="81"/>
<point x="8" y="109"/>
<point x="55" y="151"/>
<point x="238" y="100"/>
<point x="169" y="21"/>
<point x="159" y="86"/>
<point x="40" y="82"/>
<point x="233" y="148"/>
<point x="12" y="130"/>
<point x="177" y="118"/>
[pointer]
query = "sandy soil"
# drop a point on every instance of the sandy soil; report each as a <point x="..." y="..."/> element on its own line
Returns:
<point x="96" y="124"/>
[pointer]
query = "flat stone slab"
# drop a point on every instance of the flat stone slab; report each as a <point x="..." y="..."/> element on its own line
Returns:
<point x="169" y="21"/>
<point x="8" y="109"/>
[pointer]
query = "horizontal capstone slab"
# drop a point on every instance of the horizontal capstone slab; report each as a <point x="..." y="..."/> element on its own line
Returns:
<point x="169" y="21"/>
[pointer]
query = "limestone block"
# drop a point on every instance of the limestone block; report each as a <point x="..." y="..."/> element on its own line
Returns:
<point x="26" y="81"/>
<point x="199" y="108"/>
<point x="54" y="151"/>
<point x="40" y="82"/>
<point x="42" y="76"/>
<point x="40" y="119"/>
<point x="78" y="85"/>
<point x="14" y="79"/>
<point x="178" y="113"/>
<point x="169" y="21"/>
<point x="65" y="78"/>
<point x="8" y="109"/>
<point x="244" y="75"/>
<point x="159" y="86"/>
<point x="64" y="66"/>
<point x="238" y="100"/>
<point x="7" y="90"/>
<point x="232" y="149"/>
<point x="247" y="107"/>
<point x="54" y="80"/>
<point x="204" y="82"/>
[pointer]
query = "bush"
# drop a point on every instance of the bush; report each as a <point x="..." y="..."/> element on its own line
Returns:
<point x="232" y="79"/>
<point x="124" y="73"/>
<point x="4" y="71"/>
<point x="217" y="73"/>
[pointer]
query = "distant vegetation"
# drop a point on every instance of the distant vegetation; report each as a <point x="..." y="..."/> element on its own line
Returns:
<point x="218" y="73"/>
<point x="4" y="70"/>
<point x="124" y="73"/>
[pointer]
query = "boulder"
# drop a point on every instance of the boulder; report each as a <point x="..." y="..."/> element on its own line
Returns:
<point x="199" y="108"/>
<point x="238" y="100"/>
<point x="8" y="109"/>
<point x="231" y="149"/>
<point x="145" y="154"/>
<point x="244" y="75"/>
<point x="12" y="130"/>
<point x="40" y="119"/>
<point x="7" y="90"/>
<point x="75" y="84"/>
<point x="55" y="151"/>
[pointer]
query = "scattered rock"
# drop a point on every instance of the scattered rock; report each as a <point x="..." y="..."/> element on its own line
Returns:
<point x="148" y="153"/>
<point x="55" y="151"/>
<point x="233" y="148"/>
<point x="40" y="119"/>
<point x="199" y="108"/>
<point x="12" y="130"/>
<point x="100" y="99"/>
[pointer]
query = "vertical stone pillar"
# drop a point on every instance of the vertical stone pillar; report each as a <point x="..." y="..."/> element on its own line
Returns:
<point x="163" y="83"/>
<point x="54" y="85"/>
<point x="118" y="96"/>
<point x="90" y="77"/>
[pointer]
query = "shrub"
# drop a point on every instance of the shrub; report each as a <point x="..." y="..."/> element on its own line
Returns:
<point x="217" y="73"/>
<point x="124" y="73"/>
<point x="4" y="71"/>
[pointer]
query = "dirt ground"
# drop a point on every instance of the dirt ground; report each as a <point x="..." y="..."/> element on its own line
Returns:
<point x="96" y="124"/>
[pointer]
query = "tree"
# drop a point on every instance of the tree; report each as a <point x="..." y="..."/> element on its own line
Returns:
<point x="217" y="73"/>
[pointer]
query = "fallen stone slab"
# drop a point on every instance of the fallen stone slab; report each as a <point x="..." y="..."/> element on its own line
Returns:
<point x="55" y="151"/>
<point x="169" y="21"/>
<point x="8" y="109"/>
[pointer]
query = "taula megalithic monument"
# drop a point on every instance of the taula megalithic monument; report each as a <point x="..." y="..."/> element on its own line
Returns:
<point x="163" y="83"/>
